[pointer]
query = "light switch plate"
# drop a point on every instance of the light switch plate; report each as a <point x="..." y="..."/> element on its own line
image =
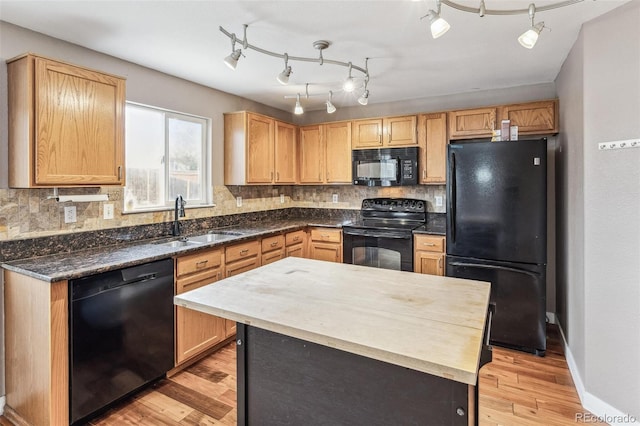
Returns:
<point x="70" y="214"/>
<point x="107" y="213"/>
<point x="281" y="198"/>
<point x="438" y="200"/>
<point x="238" y="201"/>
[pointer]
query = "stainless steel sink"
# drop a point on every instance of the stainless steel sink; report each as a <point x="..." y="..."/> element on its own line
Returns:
<point x="210" y="238"/>
<point x="181" y="243"/>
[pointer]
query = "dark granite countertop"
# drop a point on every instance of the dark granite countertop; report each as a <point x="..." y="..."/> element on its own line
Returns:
<point x="77" y="264"/>
<point x="436" y="225"/>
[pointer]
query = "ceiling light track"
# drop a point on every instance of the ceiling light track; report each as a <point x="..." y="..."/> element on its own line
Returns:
<point x="528" y="39"/>
<point x="283" y="77"/>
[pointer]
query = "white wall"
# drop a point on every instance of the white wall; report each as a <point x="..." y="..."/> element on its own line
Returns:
<point x="603" y="284"/>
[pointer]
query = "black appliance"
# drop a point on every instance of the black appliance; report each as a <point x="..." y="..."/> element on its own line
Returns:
<point x="497" y="232"/>
<point x="383" y="237"/>
<point x="385" y="167"/>
<point x="121" y="335"/>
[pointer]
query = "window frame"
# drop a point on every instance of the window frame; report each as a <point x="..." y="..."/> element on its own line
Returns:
<point x="205" y="163"/>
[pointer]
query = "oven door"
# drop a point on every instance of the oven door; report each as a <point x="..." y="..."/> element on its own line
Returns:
<point x="386" y="249"/>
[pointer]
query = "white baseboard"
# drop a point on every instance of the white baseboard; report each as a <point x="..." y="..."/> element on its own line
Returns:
<point x="601" y="410"/>
<point x="551" y="317"/>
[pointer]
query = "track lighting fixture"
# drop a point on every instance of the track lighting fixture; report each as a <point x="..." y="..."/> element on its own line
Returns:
<point x="349" y="85"/>
<point x="298" y="109"/>
<point x="364" y="98"/>
<point x="438" y="25"/>
<point x="527" y="39"/>
<point x="320" y="45"/>
<point x="330" y="107"/>
<point x="232" y="59"/>
<point x="283" y="77"/>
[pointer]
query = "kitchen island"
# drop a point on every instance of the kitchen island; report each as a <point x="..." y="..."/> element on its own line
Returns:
<point x="328" y="343"/>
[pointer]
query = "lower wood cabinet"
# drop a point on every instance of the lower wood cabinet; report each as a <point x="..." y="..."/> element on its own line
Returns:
<point x="428" y="254"/>
<point x="196" y="331"/>
<point x="240" y="258"/>
<point x="272" y="249"/>
<point x="326" y="244"/>
<point x="296" y="243"/>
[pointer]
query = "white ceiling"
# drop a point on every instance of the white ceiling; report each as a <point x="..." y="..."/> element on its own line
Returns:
<point x="182" y="38"/>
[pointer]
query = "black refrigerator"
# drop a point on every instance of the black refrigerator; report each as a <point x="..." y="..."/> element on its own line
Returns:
<point x="497" y="232"/>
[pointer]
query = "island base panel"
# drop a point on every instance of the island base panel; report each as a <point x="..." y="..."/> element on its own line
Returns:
<point x="287" y="381"/>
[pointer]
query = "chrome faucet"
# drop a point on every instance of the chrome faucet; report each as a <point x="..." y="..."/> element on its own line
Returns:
<point x="178" y="213"/>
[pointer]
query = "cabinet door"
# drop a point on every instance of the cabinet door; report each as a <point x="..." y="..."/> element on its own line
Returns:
<point x="367" y="134"/>
<point x="286" y="159"/>
<point x="311" y="155"/>
<point x="400" y="131"/>
<point x="79" y="126"/>
<point x="196" y="331"/>
<point x="432" y="137"/>
<point x="472" y="123"/>
<point x="259" y="149"/>
<point x="338" y="159"/>
<point x="330" y="252"/>
<point x="429" y="263"/>
<point x="273" y="256"/>
<point x="533" y="118"/>
<point x="232" y="269"/>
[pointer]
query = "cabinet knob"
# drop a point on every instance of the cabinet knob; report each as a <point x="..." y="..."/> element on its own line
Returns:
<point x="273" y="244"/>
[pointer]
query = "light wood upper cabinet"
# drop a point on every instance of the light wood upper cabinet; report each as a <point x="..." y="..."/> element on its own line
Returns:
<point x="367" y="133"/>
<point x="258" y="150"/>
<point x="338" y="152"/>
<point x="432" y="139"/>
<point x="325" y="153"/>
<point x="472" y="123"/>
<point x="311" y="154"/>
<point x="66" y="124"/>
<point x="533" y="118"/>
<point x="384" y="132"/>
<point x="286" y="151"/>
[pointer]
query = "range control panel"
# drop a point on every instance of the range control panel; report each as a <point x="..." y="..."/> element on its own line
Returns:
<point x="394" y="205"/>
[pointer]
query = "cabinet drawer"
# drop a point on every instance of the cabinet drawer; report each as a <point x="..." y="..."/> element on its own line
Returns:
<point x="198" y="262"/>
<point x="272" y="256"/>
<point x="198" y="280"/>
<point x="295" y="237"/>
<point x="272" y="243"/>
<point x="328" y="235"/>
<point x="241" y="266"/>
<point x="295" y="250"/>
<point x="429" y="243"/>
<point x="241" y="251"/>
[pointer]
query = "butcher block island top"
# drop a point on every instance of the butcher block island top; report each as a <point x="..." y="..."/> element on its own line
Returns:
<point x="427" y="323"/>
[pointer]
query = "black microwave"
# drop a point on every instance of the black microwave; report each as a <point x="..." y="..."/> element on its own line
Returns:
<point x="385" y="166"/>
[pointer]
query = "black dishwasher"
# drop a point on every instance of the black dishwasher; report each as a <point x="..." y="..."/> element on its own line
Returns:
<point x="121" y="334"/>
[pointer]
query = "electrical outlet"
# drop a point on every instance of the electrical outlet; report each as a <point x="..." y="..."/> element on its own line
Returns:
<point x="281" y="198"/>
<point x="438" y="200"/>
<point x="335" y="198"/>
<point x="238" y="201"/>
<point x="107" y="213"/>
<point x="70" y="214"/>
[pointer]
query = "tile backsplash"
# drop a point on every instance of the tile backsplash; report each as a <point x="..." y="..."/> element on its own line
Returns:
<point x="29" y="213"/>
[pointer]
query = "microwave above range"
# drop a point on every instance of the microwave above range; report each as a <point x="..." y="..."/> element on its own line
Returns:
<point x="385" y="166"/>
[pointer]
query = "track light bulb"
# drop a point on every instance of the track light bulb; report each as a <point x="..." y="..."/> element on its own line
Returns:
<point x="349" y="85"/>
<point x="529" y="38"/>
<point x="232" y="59"/>
<point x="364" y="99"/>
<point x="283" y="77"/>
<point x="298" y="109"/>
<point x="438" y="25"/>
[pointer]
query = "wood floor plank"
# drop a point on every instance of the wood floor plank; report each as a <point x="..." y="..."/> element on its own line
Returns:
<point x="200" y="402"/>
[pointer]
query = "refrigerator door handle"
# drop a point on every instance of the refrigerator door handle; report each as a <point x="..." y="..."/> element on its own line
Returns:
<point x="502" y="268"/>
<point x="452" y="196"/>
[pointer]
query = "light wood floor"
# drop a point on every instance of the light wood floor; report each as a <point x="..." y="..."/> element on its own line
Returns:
<point x="515" y="389"/>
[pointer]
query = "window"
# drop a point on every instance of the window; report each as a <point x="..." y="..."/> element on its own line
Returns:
<point x="166" y="156"/>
